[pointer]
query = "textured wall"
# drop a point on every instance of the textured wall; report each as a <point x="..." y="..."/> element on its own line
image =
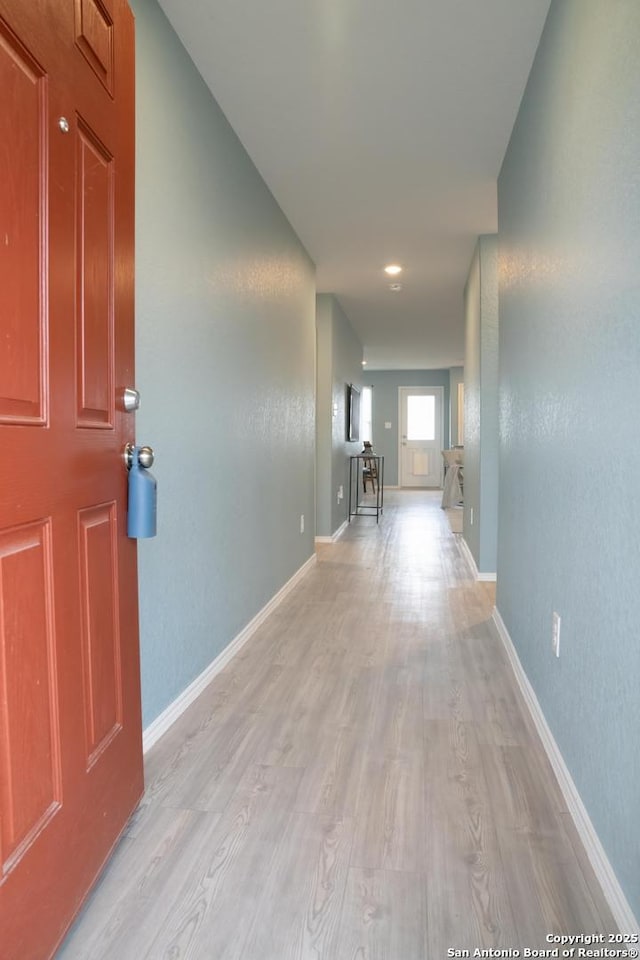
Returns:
<point x="487" y="560"/>
<point x="472" y="407"/>
<point x="324" y="399"/>
<point x="226" y="366"/>
<point x="569" y="216"/>
<point x="339" y="355"/>
<point x="481" y="405"/>
<point x="347" y="368"/>
<point x="385" y="385"/>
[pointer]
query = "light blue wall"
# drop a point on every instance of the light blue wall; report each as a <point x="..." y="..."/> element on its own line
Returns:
<point x="339" y="363"/>
<point x="225" y="340"/>
<point x="481" y="406"/>
<point x="569" y="222"/>
<point x="385" y="385"/>
<point x="324" y="429"/>
<point x="456" y="376"/>
<point x="347" y="368"/>
<point x="472" y="407"/>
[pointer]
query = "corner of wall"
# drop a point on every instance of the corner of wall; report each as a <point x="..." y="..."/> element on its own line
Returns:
<point x="339" y="363"/>
<point x="481" y="405"/>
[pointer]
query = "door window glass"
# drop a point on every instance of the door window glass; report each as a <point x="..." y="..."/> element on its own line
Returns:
<point x="366" y="414"/>
<point x="421" y="418"/>
<point x="460" y="414"/>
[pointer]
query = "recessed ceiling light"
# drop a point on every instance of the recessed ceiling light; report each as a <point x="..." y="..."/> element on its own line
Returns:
<point x="395" y="287"/>
<point x="364" y="363"/>
<point x="393" y="269"/>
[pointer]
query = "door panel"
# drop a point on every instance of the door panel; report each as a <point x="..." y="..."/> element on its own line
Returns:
<point x="94" y="36"/>
<point x="22" y="215"/>
<point x="94" y="279"/>
<point x="70" y="740"/>
<point x="420" y="418"/>
<point x="30" y="745"/>
<point x="102" y="684"/>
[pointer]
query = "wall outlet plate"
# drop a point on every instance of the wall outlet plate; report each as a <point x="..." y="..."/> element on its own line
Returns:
<point x="302" y="523"/>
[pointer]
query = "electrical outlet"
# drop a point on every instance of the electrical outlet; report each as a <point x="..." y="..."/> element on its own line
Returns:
<point x="302" y="523"/>
<point x="555" y="634"/>
<point x="471" y="517"/>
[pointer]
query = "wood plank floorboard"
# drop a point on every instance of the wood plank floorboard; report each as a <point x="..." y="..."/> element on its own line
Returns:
<point x="299" y="914"/>
<point x="383" y="916"/>
<point x="468" y="906"/>
<point x="361" y="782"/>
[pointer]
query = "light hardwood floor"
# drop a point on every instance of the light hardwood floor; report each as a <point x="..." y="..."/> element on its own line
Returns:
<point x="362" y="782"/>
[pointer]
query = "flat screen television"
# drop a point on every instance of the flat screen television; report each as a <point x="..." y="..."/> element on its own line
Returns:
<point x="353" y="413"/>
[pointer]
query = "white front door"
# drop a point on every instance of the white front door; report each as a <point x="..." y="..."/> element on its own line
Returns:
<point x="421" y="431"/>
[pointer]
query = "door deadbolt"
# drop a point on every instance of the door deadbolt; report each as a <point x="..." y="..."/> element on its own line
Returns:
<point x="130" y="399"/>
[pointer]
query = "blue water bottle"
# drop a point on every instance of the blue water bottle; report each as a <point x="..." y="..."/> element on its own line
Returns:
<point x="143" y="495"/>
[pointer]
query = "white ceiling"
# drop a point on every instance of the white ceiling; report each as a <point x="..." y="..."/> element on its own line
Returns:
<point x="380" y="128"/>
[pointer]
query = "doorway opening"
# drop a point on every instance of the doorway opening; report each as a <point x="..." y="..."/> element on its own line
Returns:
<point x="421" y="418"/>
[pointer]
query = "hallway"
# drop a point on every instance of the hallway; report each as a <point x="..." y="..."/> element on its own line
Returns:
<point x="362" y="781"/>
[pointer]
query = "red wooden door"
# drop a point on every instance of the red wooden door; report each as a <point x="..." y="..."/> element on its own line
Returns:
<point x="70" y="729"/>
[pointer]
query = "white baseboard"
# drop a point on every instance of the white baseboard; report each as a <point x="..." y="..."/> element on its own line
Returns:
<point x="176" y="708"/>
<point x="486" y="577"/>
<point x="613" y="893"/>
<point x="332" y="539"/>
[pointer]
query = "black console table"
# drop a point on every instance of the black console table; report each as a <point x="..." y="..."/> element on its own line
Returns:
<point x="362" y="471"/>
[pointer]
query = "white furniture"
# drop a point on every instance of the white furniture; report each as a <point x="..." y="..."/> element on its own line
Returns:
<point x="452" y="492"/>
